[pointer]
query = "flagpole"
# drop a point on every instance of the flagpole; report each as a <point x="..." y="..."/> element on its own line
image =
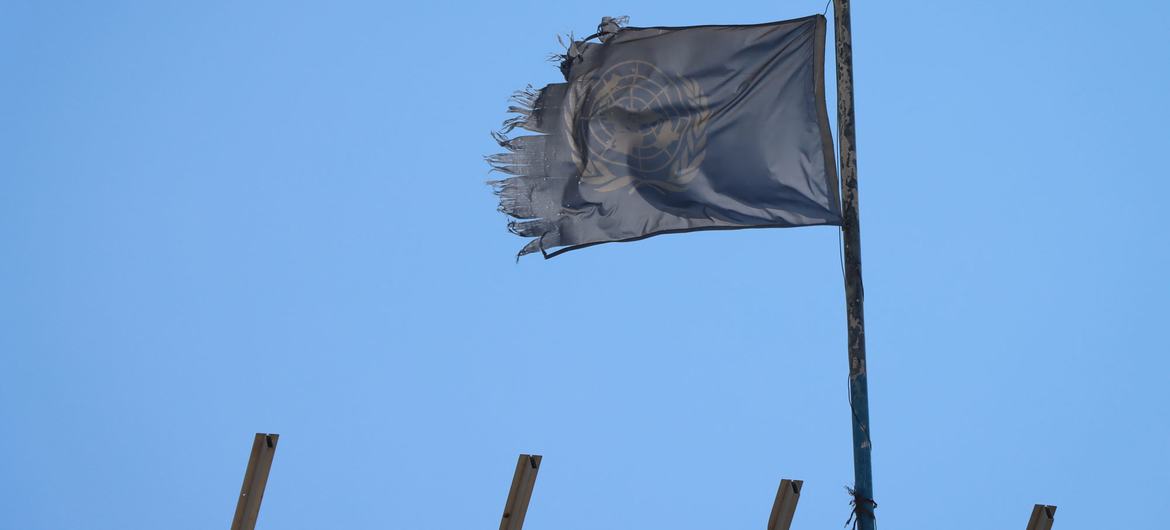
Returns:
<point x="854" y="292"/>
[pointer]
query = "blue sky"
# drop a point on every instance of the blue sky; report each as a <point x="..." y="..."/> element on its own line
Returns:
<point x="222" y="218"/>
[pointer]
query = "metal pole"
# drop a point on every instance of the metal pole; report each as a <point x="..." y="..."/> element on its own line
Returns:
<point x="255" y="478"/>
<point x="854" y="292"/>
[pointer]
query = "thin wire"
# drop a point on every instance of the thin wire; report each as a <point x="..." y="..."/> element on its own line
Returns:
<point x="827" y="4"/>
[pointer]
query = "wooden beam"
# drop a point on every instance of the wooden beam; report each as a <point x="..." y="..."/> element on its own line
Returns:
<point x="255" y="478"/>
<point x="1042" y="517"/>
<point x="785" y="506"/>
<point x="523" y="481"/>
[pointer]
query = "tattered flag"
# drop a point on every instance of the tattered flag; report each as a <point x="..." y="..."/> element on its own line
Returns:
<point x="672" y="129"/>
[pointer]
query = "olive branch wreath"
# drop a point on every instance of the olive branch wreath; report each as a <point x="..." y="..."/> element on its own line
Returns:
<point x="684" y="166"/>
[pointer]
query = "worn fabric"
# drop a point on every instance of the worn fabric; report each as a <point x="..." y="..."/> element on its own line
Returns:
<point x="672" y="129"/>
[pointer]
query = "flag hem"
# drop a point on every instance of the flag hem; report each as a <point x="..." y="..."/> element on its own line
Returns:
<point x="823" y="114"/>
<point x="559" y="251"/>
<point x="756" y="25"/>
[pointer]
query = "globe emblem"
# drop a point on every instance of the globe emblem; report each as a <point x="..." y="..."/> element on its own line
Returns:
<point x="638" y="126"/>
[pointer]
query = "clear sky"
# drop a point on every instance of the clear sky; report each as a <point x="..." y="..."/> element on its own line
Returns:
<point x="222" y="218"/>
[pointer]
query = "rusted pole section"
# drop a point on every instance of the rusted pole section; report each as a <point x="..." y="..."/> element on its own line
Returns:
<point x="854" y="292"/>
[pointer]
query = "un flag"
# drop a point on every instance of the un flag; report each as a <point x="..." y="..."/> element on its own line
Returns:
<point x="672" y="129"/>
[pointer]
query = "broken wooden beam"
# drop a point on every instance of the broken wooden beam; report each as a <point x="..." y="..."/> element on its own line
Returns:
<point x="523" y="481"/>
<point x="255" y="478"/>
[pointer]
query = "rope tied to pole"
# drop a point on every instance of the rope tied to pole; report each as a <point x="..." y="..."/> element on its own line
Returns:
<point x="860" y="506"/>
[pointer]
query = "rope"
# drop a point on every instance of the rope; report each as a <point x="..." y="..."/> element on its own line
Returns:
<point x="858" y="508"/>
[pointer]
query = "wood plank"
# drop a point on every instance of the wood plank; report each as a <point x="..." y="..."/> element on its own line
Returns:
<point x="1042" y="517"/>
<point x="523" y="481"/>
<point x="784" y="508"/>
<point x="255" y="478"/>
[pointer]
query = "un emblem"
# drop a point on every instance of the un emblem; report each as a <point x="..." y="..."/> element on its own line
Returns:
<point x="636" y="126"/>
